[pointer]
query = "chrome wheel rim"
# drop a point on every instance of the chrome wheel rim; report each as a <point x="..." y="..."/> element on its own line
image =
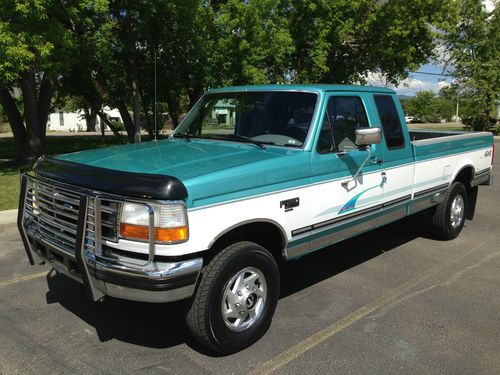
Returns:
<point x="457" y="210"/>
<point x="244" y="299"/>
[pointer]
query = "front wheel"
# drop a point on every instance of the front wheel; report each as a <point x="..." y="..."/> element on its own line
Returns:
<point x="236" y="298"/>
<point x="447" y="218"/>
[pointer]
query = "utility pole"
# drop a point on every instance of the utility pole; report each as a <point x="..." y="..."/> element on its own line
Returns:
<point x="154" y="114"/>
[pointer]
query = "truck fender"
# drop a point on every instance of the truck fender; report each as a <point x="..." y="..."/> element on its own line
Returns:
<point x="467" y="168"/>
<point x="461" y="168"/>
<point x="241" y="224"/>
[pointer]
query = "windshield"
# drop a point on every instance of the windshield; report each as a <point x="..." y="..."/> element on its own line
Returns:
<point x="276" y="118"/>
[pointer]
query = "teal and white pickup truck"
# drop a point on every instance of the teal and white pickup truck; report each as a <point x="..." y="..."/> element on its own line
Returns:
<point x="251" y="175"/>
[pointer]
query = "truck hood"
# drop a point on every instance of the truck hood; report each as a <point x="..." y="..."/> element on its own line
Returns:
<point x="173" y="157"/>
<point x="209" y="171"/>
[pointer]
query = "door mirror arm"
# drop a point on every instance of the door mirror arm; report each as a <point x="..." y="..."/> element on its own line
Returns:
<point x="365" y="137"/>
<point x="345" y="184"/>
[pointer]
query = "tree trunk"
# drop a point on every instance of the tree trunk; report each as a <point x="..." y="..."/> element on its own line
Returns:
<point x="31" y="113"/>
<point x="90" y="119"/>
<point x="103" y="118"/>
<point x="173" y="110"/>
<point x="16" y="124"/>
<point x="194" y="94"/>
<point x="149" y="123"/>
<point x="136" y="97"/>
<point x="127" y="120"/>
<point x="44" y="99"/>
<point x="103" y="128"/>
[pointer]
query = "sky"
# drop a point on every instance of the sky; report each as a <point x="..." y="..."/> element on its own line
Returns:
<point x="418" y="81"/>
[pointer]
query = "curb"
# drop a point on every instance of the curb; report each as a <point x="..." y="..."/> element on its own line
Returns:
<point x="8" y="217"/>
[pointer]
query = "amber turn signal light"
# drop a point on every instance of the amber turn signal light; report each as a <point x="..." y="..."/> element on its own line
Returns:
<point x="141" y="232"/>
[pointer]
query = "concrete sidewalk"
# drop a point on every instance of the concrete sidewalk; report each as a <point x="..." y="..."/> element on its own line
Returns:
<point x="8" y="217"/>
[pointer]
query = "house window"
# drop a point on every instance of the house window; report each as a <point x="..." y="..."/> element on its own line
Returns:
<point x="61" y="118"/>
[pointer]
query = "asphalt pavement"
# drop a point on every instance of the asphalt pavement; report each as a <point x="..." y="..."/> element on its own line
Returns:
<point x="390" y="301"/>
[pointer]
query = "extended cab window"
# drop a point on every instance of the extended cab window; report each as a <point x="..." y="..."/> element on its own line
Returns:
<point x="391" y="124"/>
<point x="344" y="114"/>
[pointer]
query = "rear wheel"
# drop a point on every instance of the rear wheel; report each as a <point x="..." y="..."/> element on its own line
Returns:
<point x="236" y="298"/>
<point x="447" y="219"/>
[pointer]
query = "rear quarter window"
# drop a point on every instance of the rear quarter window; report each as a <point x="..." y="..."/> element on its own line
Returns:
<point x="391" y="124"/>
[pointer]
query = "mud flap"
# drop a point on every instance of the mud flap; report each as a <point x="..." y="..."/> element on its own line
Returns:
<point x="471" y="202"/>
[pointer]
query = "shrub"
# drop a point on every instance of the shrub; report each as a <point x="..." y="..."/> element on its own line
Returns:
<point x="479" y="122"/>
<point x="120" y="126"/>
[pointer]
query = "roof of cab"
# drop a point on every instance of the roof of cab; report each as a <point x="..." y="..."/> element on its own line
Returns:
<point x="305" y="88"/>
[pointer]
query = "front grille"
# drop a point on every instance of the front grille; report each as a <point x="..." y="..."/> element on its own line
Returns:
<point x="51" y="213"/>
<point x="109" y="222"/>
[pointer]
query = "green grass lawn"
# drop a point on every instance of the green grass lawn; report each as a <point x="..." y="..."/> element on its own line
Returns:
<point x="61" y="144"/>
<point x="438" y="126"/>
<point x="56" y="144"/>
<point x="9" y="186"/>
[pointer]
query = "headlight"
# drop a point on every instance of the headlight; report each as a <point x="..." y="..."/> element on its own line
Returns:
<point x="170" y="223"/>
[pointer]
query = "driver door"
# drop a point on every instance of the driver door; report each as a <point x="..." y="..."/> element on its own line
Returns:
<point x="342" y="205"/>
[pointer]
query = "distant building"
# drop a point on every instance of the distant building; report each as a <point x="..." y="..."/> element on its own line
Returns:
<point x="75" y="121"/>
<point x="224" y="114"/>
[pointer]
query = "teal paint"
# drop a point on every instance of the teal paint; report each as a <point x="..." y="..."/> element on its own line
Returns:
<point x="449" y="148"/>
<point x="351" y="203"/>
<point x="308" y="88"/>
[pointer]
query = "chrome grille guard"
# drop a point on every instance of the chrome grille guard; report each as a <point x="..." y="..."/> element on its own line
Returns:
<point x="86" y="245"/>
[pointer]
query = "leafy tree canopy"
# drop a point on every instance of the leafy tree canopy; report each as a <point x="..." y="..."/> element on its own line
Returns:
<point x="474" y="53"/>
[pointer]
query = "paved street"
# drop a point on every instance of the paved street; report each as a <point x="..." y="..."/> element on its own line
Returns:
<point x="390" y="301"/>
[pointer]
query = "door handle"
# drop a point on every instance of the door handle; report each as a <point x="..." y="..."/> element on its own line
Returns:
<point x="384" y="177"/>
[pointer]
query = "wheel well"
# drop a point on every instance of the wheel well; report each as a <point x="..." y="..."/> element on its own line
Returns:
<point x="266" y="234"/>
<point x="465" y="176"/>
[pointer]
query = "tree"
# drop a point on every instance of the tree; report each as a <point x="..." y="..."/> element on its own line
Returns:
<point x="36" y="39"/>
<point x="342" y="41"/>
<point x="83" y="84"/>
<point x="177" y="32"/>
<point x="473" y="49"/>
<point x="423" y="105"/>
<point x="444" y="108"/>
<point x="252" y="42"/>
<point x="408" y="106"/>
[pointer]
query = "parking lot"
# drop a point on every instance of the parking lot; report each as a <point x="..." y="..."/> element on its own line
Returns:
<point x="390" y="301"/>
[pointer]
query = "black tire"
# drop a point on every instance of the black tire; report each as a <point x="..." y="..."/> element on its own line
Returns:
<point x="441" y="223"/>
<point x="204" y="317"/>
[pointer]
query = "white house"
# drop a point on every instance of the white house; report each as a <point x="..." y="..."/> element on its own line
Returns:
<point x="75" y="121"/>
<point x="224" y="113"/>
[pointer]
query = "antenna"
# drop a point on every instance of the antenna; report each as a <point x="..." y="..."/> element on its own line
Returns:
<point x="156" y="130"/>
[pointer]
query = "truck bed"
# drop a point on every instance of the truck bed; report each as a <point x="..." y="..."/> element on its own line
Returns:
<point x="431" y="144"/>
<point x="418" y="135"/>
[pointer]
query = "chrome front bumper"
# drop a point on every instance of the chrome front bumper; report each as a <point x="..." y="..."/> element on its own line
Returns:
<point x="111" y="274"/>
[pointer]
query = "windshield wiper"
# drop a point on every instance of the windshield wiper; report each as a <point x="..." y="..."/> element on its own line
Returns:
<point x="242" y="138"/>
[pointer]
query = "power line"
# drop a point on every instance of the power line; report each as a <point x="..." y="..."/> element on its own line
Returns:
<point x="430" y="74"/>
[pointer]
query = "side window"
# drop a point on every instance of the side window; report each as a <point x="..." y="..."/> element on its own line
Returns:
<point x="326" y="143"/>
<point x="344" y="114"/>
<point x="391" y="124"/>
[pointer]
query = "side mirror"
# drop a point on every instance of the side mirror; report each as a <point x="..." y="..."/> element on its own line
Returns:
<point x="368" y="136"/>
